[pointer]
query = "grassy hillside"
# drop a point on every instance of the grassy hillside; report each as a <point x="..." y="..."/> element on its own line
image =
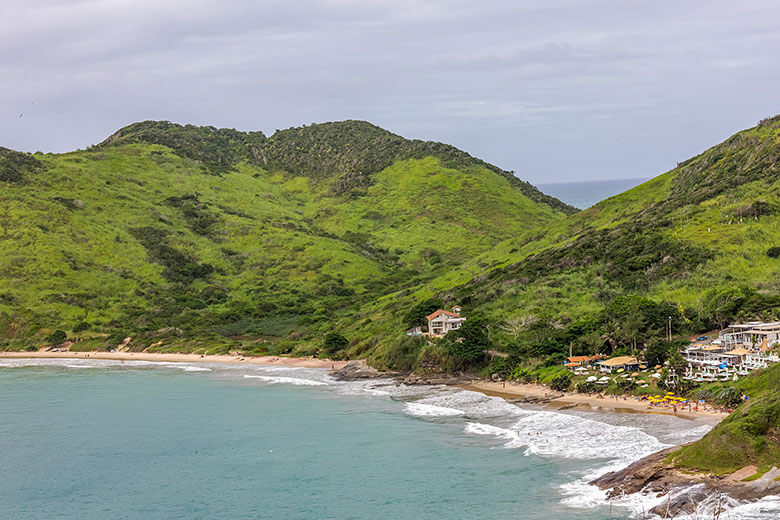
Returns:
<point x="697" y="244"/>
<point x="236" y="240"/>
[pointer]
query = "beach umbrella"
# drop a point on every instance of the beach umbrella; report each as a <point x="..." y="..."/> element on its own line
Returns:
<point x="657" y="367"/>
<point x="591" y="379"/>
<point x="656" y="375"/>
<point x="605" y="378"/>
<point x="669" y="393"/>
<point x="620" y="370"/>
<point x="635" y="374"/>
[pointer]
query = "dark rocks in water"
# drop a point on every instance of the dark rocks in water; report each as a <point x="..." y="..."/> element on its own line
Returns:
<point x="356" y="370"/>
<point x="436" y="379"/>
<point x="685" y="491"/>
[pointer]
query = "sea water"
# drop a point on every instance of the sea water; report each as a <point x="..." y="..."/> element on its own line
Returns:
<point x="584" y="194"/>
<point x="96" y="439"/>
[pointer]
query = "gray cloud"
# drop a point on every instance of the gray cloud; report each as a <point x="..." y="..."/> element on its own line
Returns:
<point x="554" y="90"/>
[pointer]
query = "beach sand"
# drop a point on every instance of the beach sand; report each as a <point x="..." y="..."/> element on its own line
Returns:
<point x="307" y="362"/>
<point x="561" y="400"/>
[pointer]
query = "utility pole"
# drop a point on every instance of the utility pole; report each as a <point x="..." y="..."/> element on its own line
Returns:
<point x="670" y="328"/>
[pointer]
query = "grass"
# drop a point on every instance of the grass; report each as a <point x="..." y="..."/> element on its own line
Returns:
<point x="749" y="435"/>
<point x="134" y="237"/>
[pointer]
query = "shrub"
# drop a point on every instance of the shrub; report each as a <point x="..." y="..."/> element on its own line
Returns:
<point x="586" y="387"/>
<point x="57" y="337"/>
<point x="729" y="397"/>
<point x="561" y="383"/>
<point x="334" y="342"/>
<point x="773" y="252"/>
<point x="81" y="326"/>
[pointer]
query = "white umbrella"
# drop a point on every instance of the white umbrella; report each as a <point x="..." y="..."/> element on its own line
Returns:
<point x="591" y="379"/>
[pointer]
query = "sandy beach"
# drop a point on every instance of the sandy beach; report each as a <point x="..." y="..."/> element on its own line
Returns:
<point x="307" y="362"/>
<point x="560" y="400"/>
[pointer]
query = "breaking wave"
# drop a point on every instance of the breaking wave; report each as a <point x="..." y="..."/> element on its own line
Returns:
<point x="286" y="380"/>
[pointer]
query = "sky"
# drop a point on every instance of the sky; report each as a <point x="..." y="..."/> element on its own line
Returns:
<point x="555" y="90"/>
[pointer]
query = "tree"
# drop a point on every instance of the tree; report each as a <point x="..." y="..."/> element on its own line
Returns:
<point x="416" y="315"/>
<point x="518" y="323"/>
<point x="561" y="383"/>
<point x="57" y="337"/>
<point x="334" y="342"/>
<point x="472" y="341"/>
<point x="657" y="352"/>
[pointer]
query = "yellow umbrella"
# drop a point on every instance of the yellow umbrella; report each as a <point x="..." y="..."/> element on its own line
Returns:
<point x="669" y="393"/>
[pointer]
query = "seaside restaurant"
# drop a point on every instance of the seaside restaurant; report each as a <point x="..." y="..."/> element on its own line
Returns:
<point x="626" y="363"/>
<point x="752" y="334"/>
<point x="714" y="355"/>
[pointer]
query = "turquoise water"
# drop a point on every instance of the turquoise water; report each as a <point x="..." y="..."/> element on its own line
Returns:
<point x="96" y="440"/>
<point x="585" y="194"/>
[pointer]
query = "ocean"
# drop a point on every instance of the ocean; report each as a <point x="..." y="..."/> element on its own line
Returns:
<point x="585" y="194"/>
<point x="97" y="439"/>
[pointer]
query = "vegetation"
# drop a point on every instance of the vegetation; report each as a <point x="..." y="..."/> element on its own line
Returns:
<point x="750" y="435"/>
<point x="241" y="241"/>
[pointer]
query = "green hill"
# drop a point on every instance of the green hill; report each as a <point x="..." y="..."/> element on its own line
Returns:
<point x="699" y="244"/>
<point x="229" y="239"/>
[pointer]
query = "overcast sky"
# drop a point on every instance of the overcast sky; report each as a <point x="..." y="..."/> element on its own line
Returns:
<point x="556" y="90"/>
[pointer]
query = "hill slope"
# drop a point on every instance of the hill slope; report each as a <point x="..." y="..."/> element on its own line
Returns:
<point x="698" y="244"/>
<point x="236" y="237"/>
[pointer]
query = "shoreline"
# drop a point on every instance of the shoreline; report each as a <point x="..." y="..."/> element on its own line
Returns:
<point x="538" y="394"/>
<point x="530" y="393"/>
<point x="305" y="362"/>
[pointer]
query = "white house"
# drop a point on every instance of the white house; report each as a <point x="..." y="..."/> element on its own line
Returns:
<point x="753" y="334"/>
<point x="441" y="322"/>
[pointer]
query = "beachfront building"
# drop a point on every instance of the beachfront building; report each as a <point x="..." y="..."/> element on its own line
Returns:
<point x="753" y="334"/>
<point x="574" y="362"/>
<point x="739" y="349"/>
<point x="627" y="363"/>
<point x="441" y="322"/>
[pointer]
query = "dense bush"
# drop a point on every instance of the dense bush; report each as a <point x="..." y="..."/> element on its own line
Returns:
<point x="728" y="397"/>
<point x="773" y="252"/>
<point x="57" y="337"/>
<point x="587" y="387"/>
<point x="334" y="342"/>
<point x="561" y="383"/>
<point x="416" y="315"/>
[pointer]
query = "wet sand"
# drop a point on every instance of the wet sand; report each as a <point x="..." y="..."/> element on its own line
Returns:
<point x="559" y="400"/>
<point x="307" y="362"/>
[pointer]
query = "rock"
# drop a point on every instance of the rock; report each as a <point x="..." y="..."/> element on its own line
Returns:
<point x="78" y="203"/>
<point x="435" y="379"/>
<point x="685" y="491"/>
<point x="356" y="370"/>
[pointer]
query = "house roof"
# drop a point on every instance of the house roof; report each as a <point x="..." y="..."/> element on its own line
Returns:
<point x="619" y="361"/>
<point x="440" y="312"/>
<point x="578" y="359"/>
<point x="739" y="351"/>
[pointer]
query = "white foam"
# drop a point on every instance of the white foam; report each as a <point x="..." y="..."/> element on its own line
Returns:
<point x="286" y="380"/>
<point x="567" y="436"/>
<point x="195" y="369"/>
<point x="81" y="366"/>
<point x="429" y="410"/>
<point x="512" y="439"/>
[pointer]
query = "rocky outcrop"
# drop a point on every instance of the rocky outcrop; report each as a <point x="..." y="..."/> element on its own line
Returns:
<point x="357" y="370"/>
<point x="435" y="379"/>
<point x="653" y="475"/>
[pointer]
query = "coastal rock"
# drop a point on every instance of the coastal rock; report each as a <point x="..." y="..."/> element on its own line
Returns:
<point x="435" y="379"/>
<point x="356" y="370"/>
<point x="684" y="491"/>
